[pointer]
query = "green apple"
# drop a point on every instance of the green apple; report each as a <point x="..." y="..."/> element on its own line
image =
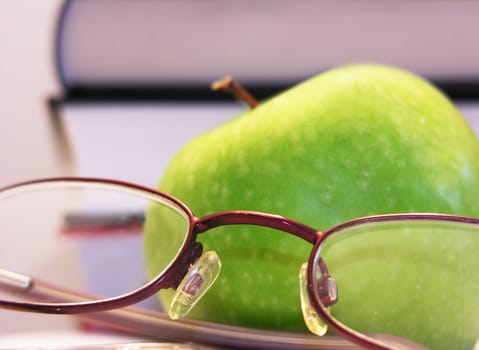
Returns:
<point x="354" y="141"/>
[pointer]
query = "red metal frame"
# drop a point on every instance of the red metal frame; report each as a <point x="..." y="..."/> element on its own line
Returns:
<point x="190" y="250"/>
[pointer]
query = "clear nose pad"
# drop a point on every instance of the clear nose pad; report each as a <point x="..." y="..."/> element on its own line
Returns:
<point x="327" y="290"/>
<point x="195" y="284"/>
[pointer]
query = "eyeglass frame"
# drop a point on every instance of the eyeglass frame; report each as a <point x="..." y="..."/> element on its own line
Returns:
<point x="187" y="254"/>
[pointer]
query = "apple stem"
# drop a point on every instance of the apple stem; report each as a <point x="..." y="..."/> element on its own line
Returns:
<point x="230" y="85"/>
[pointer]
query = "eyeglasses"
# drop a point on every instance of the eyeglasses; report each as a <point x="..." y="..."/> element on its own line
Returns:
<point x="380" y="282"/>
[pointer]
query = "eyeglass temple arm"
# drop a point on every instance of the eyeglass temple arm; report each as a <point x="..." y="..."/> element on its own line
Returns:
<point x="15" y="281"/>
<point x="158" y="326"/>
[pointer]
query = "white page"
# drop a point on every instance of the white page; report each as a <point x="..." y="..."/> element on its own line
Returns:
<point x="135" y="142"/>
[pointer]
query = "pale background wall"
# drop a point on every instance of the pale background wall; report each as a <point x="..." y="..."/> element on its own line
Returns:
<point x="27" y="147"/>
<point x="27" y="78"/>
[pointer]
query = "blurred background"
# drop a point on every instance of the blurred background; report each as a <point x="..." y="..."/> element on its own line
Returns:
<point x="27" y="143"/>
<point x="96" y="87"/>
<point x="27" y="73"/>
<point x="265" y="43"/>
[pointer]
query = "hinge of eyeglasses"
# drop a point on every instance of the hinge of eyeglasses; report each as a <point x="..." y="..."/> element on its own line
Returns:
<point x="15" y="280"/>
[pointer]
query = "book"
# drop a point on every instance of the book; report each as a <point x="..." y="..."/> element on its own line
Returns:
<point x="188" y="42"/>
<point x="135" y="141"/>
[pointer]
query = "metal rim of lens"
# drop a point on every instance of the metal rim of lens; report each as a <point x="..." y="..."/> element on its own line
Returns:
<point x="163" y="280"/>
<point x="338" y="327"/>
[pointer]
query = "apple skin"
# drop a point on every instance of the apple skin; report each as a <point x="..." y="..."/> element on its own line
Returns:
<point x="354" y="141"/>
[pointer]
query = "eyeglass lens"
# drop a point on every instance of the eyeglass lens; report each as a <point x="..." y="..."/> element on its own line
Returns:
<point x="416" y="279"/>
<point x="85" y="237"/>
